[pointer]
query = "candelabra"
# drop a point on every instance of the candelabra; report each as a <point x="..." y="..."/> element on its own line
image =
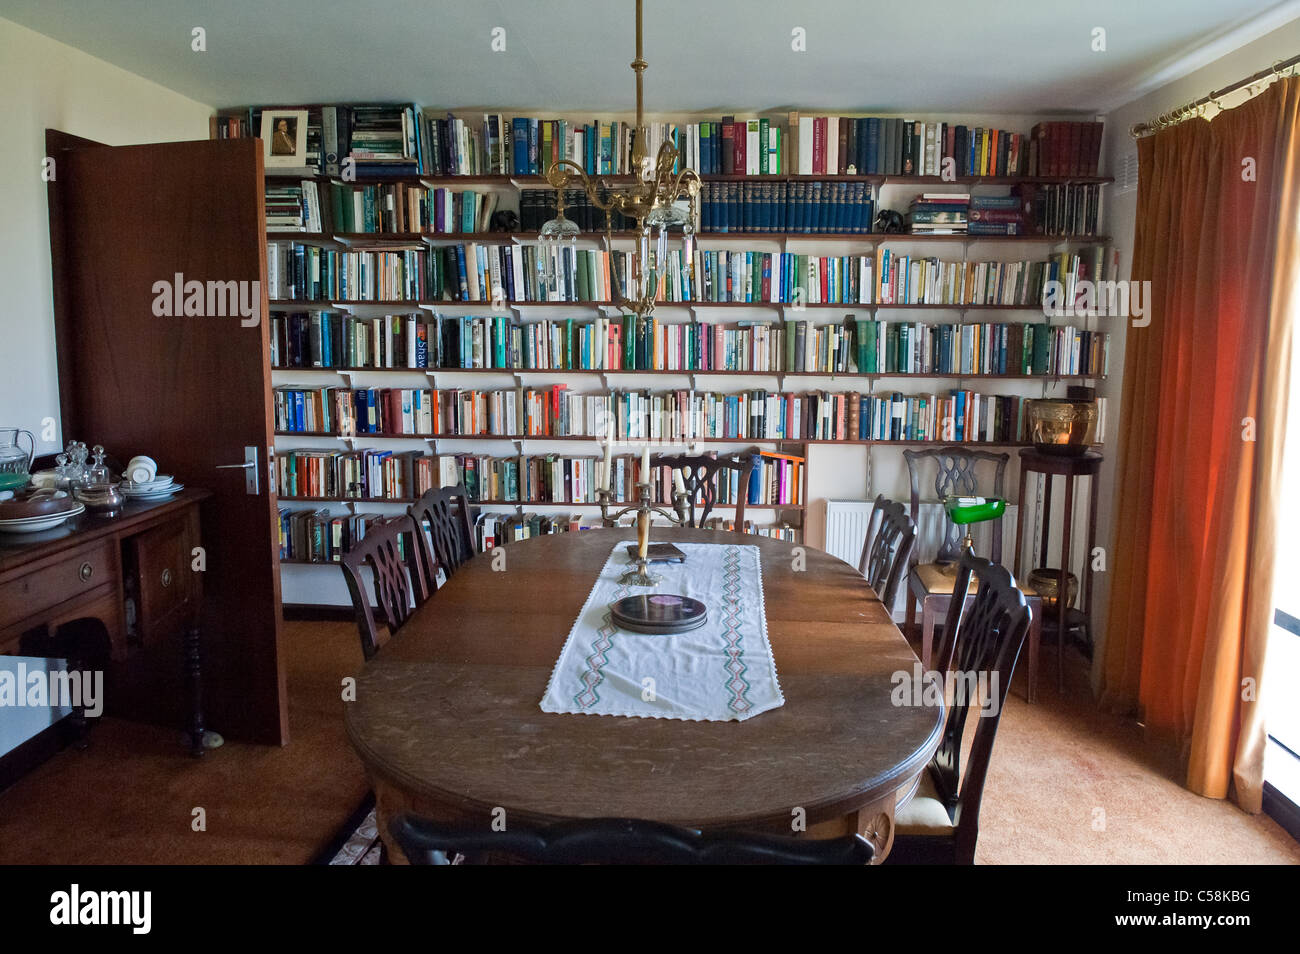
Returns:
<point x="639" y="573"/>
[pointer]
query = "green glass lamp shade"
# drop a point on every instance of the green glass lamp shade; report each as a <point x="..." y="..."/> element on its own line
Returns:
<point x="967" y="510"/>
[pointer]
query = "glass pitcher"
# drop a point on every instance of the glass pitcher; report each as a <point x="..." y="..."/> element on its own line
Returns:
<point x="15" y="464"/>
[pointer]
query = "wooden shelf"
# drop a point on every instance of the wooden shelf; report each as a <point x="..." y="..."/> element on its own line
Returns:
<point x="692" y="371"/>
<point x="536" y="181"/>
<point x="520" y="503"/>
<point x="867" y="238"/>
<point x="301" y="305"/>
<point x="665" y="441"/>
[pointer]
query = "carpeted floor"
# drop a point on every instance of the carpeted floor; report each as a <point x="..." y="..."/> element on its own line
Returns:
<point x="1067" y="784"/>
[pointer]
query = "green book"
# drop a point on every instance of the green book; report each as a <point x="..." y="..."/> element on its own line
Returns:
<point x="789" y="346"/>
<point x="584" y="278"/>
<point x="763" y="126"/>
<point x="1041" y="336"/>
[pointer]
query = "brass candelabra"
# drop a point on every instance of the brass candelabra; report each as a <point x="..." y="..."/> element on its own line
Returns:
<point x="638" y="574"/>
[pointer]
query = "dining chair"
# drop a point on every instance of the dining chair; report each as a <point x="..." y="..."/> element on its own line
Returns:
<point x="981" y="640"/>
<point x="700" y="475"/>
<point x="887" y="554"/>
<point x="620" y="841"/>
<point x="388" y="558"/>
<point x="957" y="470"/>
<point x="444" y="537"/>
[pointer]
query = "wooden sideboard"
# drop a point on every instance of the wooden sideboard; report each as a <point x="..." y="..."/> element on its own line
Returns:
<point x="119" y="593"/>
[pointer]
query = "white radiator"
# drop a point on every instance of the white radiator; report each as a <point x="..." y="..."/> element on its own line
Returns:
<point x="846" y="529"/>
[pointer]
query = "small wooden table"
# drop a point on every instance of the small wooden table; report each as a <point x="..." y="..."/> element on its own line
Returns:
<point x="448" y="723"/>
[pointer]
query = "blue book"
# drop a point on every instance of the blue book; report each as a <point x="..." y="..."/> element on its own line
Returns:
<point x="873" y="147"/>
<point x="519" y="142"/>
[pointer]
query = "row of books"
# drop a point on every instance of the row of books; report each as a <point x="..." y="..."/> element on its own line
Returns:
<point x="787" y="207"/>
<point x="313" y="273"/>
<point x="842" y="145"/>
<point x="856" y="346"/>
<point x="670" y="416"/>
<point x="396" y="207"/>
<point x="776" y="479"/>
<point x="1067" y="209"/>
<point x="538" y="206"/>
<point x="318" y="536"/>
<point x="1066" y="148"/>
<point x="403" y="139"/>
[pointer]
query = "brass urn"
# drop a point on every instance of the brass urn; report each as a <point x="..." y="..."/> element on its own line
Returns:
<point x="1062" y="426"/>
<point x="1046" y="583"/>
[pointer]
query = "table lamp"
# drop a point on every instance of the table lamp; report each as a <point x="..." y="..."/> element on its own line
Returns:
<point x="968" y="511"/>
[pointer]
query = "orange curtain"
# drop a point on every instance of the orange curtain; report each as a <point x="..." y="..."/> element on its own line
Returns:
<point x="1203" y="408"/>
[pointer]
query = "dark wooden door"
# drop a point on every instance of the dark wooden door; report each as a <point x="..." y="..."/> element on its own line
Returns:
<point x="192" y="390"/>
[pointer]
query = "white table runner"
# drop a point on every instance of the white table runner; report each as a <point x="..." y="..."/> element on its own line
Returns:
<point x="722" y="671"/>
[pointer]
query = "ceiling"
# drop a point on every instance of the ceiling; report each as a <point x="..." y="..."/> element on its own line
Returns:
<point x="998" y="56"/>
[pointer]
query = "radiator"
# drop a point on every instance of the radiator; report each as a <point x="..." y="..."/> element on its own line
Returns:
<point x="846" y="529"/>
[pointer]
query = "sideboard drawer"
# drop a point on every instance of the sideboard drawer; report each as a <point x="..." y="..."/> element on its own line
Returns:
<point x="167" y="585"/>
<point x="63" y="578"/>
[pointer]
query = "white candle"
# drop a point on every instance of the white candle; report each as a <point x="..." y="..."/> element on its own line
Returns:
<point x="609" y="459"/>
<point x="679" y="486"/>
<point x="645" y="463"/>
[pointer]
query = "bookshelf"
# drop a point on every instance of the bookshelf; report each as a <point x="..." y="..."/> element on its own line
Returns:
<point x="508" y="188"/>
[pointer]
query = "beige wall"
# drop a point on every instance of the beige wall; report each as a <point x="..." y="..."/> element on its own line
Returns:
<point x="50" y="84"/>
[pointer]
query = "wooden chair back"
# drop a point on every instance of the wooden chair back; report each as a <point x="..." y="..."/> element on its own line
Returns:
<point x="700" y="475"/>
<point x="392" y="572"/>
<point x="957" y="471"/>
<point x="982" y="637"/>
<point x="444" y="535"/>
<point x="887" y="553"/>
<point x="621" y="841"/>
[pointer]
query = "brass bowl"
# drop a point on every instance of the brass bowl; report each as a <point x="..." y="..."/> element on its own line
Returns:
<point x="1045" y="581"/>
<point x="1059" y="426"/>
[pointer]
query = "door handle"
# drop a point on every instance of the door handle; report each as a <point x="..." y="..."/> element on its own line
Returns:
<point x="249" y="466"/>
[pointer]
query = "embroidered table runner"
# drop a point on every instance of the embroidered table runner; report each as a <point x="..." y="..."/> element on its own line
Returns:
<point x="720" y="672"/>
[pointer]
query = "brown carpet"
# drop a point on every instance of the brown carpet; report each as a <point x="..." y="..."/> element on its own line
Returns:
<point x="129" y="797"/>
<point x="1067" y="784"/>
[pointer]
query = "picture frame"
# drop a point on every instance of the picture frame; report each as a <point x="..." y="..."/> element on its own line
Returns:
<point x="284" y="137"/>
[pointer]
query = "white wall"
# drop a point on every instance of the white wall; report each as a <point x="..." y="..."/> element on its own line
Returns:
<point x="1120" y="214"/>
<point x="50" y="84"/>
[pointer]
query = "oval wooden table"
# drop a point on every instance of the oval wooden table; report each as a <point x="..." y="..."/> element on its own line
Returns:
<point x="448" y="723"/>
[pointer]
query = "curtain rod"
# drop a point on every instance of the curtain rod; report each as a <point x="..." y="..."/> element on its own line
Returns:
<point x="1193" y="109"/>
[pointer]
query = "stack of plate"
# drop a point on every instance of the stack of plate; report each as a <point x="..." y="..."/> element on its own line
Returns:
<point x="161" y="486"/>
<point x="43" y="510"/>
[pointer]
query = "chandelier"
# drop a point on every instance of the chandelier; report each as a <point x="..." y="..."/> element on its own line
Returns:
<point x="651" y="200"/>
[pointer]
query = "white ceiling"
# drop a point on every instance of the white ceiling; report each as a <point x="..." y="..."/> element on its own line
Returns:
<point x="1003" y="56"/>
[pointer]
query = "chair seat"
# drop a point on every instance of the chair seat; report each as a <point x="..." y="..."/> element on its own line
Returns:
<point x="935" y="582"/>
<point x="924" y="813"/>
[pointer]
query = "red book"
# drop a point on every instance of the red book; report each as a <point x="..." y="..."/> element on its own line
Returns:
<point x="738" y="138"/>
<point x="819" y="145"/>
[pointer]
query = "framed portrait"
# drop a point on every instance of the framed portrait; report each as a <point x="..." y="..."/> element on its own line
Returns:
<point x="284" y="137"/>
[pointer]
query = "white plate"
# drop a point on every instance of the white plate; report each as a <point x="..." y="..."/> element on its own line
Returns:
<point x="158" y="483"/>
<point x="36" y="524"/>
<point x="150" y="493"/>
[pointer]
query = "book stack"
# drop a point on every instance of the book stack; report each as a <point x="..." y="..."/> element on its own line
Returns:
<point x="997" y="215"/>
<point x="1065" y="149"/>
<point x="382" y="139"/>
<point x="939" y="213"/>
<point x="285" y="211"/>
<point x="839" y="145"/>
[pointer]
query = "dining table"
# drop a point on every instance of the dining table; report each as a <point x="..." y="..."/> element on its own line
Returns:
<point x="447" y="721"/>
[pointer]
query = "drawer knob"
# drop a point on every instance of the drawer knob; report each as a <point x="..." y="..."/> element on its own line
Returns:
<point x="86" y="572"/>
<point x="167" y="577"/>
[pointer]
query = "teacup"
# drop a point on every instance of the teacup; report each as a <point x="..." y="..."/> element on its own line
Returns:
<point x="141" y="470"/>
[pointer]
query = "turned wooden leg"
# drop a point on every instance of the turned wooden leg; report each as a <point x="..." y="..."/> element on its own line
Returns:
<point x="194" y="677"/>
